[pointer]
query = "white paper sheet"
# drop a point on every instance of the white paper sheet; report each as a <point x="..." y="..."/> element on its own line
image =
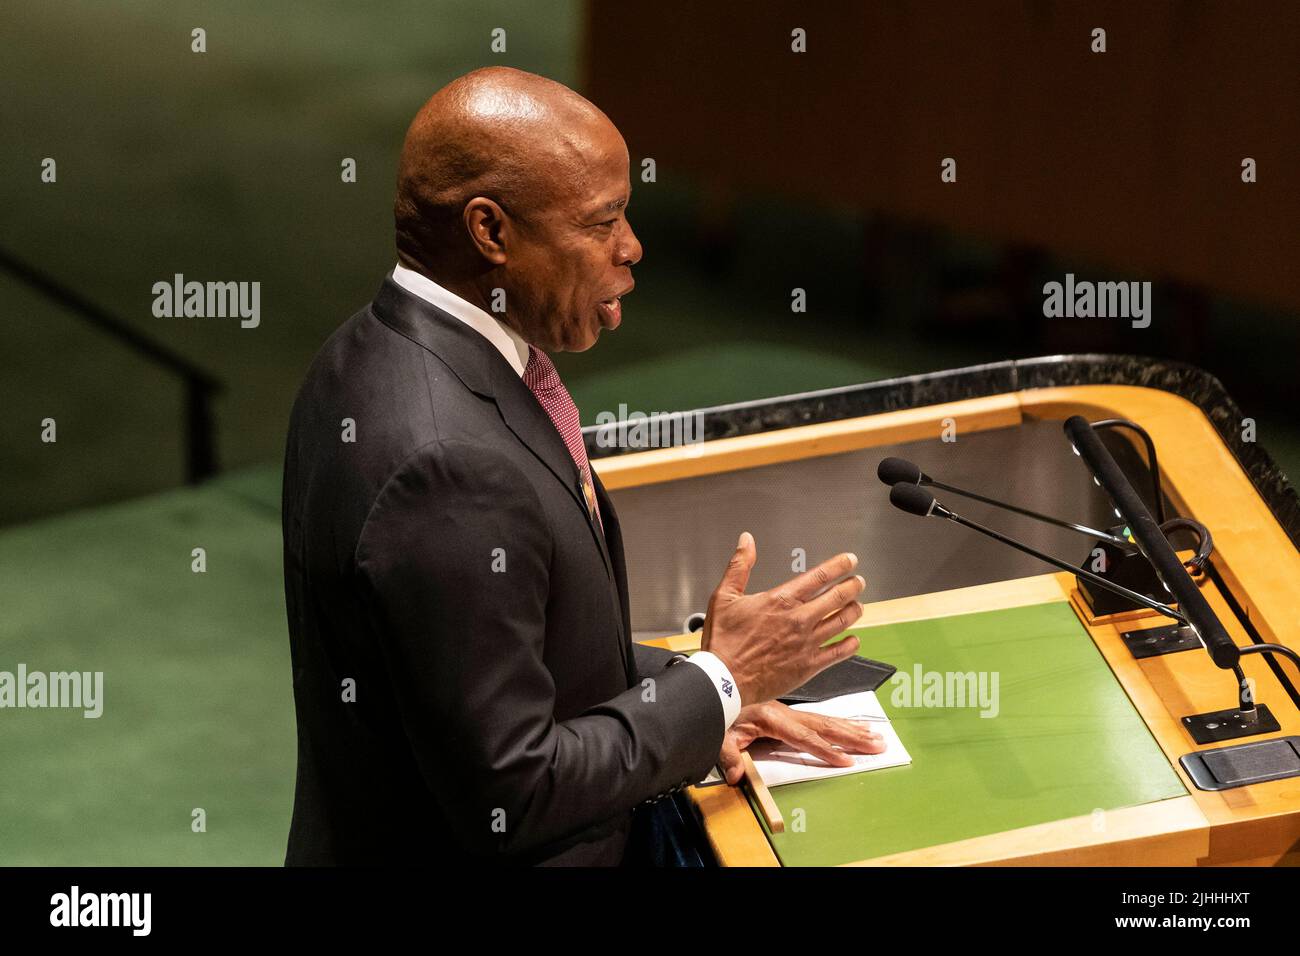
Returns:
<point x="779" y="763"/>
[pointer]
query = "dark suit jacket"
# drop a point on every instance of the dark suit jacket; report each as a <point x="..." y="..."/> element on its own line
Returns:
<point x="465" y="686"/>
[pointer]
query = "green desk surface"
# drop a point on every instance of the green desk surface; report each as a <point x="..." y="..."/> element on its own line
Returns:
<point x="1066" y="742"/>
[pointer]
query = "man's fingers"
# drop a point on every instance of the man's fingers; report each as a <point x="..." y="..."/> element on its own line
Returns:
<point x="733" y="767"/>
<point x="805" y="586"/>
<point x="736" y="578"/>
<point x="834" y="598"/>
<point x="843" y="618"/>
<point x="811" y="742"/>
<point x="835" y="653"/>
<point x="857" y="736"/>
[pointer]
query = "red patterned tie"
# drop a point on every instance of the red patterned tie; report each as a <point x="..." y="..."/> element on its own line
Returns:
<point x="540" y="376"/>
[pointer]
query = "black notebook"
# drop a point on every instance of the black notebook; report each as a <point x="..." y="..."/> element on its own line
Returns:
<point x="852" y="676"/>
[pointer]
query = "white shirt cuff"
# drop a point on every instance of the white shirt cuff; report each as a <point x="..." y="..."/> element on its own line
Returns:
<point x="728" y="693"/>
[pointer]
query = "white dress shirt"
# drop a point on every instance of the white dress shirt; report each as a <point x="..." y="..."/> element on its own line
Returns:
<point x="506" y="339"/>
<point x="515" y="350"/>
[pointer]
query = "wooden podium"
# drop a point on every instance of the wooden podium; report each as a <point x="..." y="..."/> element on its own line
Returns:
<point x="1144" y="809"/>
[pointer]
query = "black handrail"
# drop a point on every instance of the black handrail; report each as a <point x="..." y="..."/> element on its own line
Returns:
<point x="200" y="386"/>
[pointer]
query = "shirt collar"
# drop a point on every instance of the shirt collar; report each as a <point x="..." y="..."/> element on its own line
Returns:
<point x="505" y="339"/>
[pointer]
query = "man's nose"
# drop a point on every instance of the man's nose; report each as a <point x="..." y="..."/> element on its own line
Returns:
<point x="628" y="252"/>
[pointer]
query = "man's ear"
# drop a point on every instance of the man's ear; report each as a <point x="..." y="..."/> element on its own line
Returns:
<point x="488" y="228"/>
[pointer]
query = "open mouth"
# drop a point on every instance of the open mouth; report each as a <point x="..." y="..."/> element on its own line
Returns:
<point x="611" y="310"/>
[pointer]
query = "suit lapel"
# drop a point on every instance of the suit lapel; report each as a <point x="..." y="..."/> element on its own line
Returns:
<point x="484" y="371"/>
<point x="614" y="538"/>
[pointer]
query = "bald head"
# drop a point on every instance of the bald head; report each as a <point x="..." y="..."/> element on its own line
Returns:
<point x="514" y="137"/>
<point x="513" y="188"/>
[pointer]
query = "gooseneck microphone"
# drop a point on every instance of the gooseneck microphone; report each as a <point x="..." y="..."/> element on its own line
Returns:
<point x="1152" y="542"/>
<point x="891" y="471"/>
<point x="916" y="500"/>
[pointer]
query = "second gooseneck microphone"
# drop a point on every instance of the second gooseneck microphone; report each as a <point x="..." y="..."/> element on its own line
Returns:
<point x="918" y="501"/>
<point x="891" y="471"/>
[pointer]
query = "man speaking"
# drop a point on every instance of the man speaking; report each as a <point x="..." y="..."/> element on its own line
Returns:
<point x="465" y="686"/>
